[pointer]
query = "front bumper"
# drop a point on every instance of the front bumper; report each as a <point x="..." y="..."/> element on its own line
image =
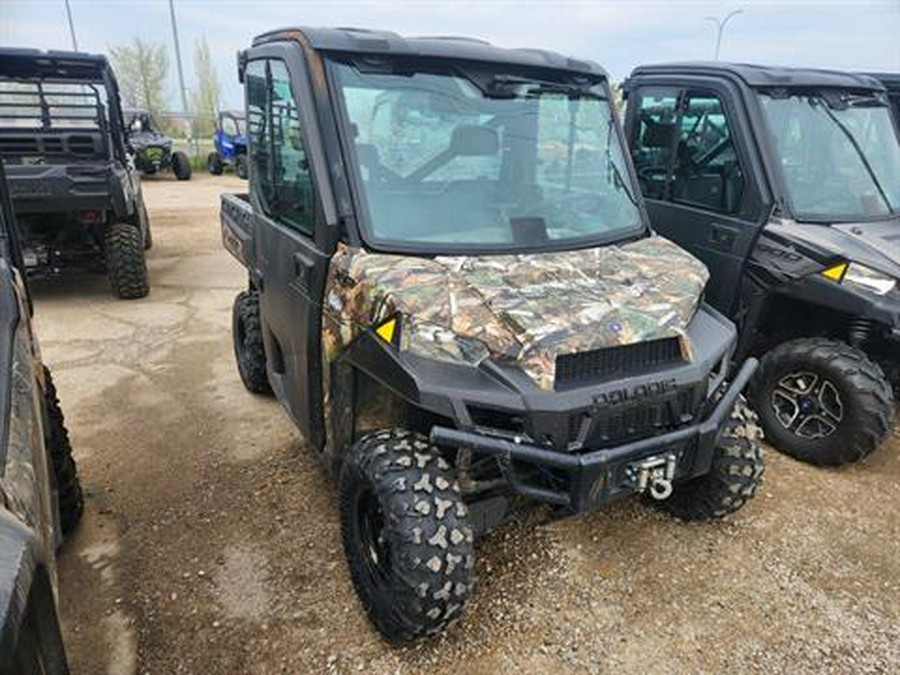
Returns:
<point x="600" y="476"/>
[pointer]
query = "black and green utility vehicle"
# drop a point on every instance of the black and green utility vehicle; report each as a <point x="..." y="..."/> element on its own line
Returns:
<point x="152" y="148"/>
<point x="456" y="296"/>
<point x="786" y="183"/>
<point x="40" y="495"/>
<point x="76" y="195"/>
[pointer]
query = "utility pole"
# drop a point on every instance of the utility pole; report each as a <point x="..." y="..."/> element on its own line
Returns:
<point x="720" y="25"/>
<point x="71" y="26"/>
<point x="181" y="87"/>
<point x="184" y="105"/>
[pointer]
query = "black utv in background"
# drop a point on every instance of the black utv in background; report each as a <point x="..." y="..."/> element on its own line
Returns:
<point x="77" y="199"/>
<point x="153" y="149"/>
<point x="40" y="495"/>
<point x="786" y="183"/>
<point x="891" y="82"/>
<point x="456" y="296"/>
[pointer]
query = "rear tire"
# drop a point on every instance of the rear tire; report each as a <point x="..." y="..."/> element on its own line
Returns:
<point x="845" y="389"/>
<point x="125" y="261"/>
<point x="406" y="534"/>
<point x="736" y="473"/>
<point x="68" y="486"/>
<point x="240" y="166"/>
<point x="249" y="351"/>
<point x="181" y="167"/>
<point x="214" y="163"/>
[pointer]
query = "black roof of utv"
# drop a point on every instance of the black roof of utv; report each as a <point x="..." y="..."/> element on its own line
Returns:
<point x="363" y="41"/>
<point x="56" y="65"/>
<point x="767" y="76"/>
<point x="891" y="81"/>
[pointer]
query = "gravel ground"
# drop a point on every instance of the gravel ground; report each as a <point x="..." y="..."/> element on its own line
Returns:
<point x="211" y="544"/>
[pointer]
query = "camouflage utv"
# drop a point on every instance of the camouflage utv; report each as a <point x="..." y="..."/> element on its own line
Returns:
<point x="40" y="496"/>
<point x="455" y="294"/>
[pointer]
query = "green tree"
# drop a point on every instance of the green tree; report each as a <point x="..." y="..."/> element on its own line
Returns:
<point x="206" y="94"/>
<point x="141" y="69"/>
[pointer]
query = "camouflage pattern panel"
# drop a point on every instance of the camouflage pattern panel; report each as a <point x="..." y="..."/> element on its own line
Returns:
<point x="25" y="476"/>
<point x="524" y="308"/>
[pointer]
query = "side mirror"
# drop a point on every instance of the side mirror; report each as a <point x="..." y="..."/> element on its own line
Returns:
<point x="241" y="64"/>
<point x="472" y="140"/>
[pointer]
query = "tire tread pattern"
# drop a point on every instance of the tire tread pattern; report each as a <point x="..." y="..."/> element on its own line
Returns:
<point x="249" y="351"/>
<point x="736" y="473"/>
<point x="126" y="261"/>
<point x="68" y="485"/>
<point x="430" y="537"/>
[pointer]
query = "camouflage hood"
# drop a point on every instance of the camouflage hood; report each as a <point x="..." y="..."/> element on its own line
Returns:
<point x="528" y="308"/>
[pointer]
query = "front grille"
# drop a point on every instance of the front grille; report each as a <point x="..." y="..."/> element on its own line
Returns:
<point x="646" y="419"/>
<point x="611" y="362"/>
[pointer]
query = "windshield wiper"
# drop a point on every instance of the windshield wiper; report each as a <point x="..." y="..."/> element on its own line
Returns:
<point x="617" y="174"/>
<point x="862" y="156"/>
<point x="572" y="92"/>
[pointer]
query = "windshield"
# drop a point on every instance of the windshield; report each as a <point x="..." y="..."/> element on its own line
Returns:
<point x="232" y="125"/>
<point x="839" y="154"/>
<point x="141" y="123"/>
<point x="456" y="162"/>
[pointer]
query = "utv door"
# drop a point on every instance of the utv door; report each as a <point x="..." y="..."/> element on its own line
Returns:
<point x="689" y="146"/>
<point x="291" y="255"/>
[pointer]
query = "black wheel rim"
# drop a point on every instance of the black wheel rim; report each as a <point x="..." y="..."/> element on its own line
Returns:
<point x="373" y="549"/>
<point x="807" y="405"/>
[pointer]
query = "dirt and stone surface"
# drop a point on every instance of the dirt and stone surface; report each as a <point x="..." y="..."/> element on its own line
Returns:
<point x="211" y="542"/>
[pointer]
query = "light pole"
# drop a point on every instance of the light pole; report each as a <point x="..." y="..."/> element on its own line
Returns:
<point x="71" y="26"/>
<point x="720" y="26"/>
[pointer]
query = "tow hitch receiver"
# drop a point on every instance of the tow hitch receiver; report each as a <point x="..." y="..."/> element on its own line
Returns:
<point x="654" y="474"/>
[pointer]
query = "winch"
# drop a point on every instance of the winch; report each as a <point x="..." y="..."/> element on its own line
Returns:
<point x="655" y="475"/>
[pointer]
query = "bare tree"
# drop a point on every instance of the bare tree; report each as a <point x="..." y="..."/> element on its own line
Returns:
<point x="141" y="69"/>
<point x="206" y="95"/>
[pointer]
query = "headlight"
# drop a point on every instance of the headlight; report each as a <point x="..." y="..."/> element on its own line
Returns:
<point x="430" y="341"/>
<point x="437" y="342"/>
<point x="869" y="280"/>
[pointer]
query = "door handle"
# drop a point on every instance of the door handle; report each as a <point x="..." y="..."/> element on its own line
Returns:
<point x="303" y="265"/>
<point x="723" y="236"/>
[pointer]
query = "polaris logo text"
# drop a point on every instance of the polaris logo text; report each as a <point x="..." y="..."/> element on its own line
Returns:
<point x="636" y="393"/>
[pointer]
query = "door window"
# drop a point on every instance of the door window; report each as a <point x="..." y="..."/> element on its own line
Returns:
<point x="654" y="145"/>
<point x="684" y="150"/>
<point x="706" y="171"/>
<point x="282" y="178"/>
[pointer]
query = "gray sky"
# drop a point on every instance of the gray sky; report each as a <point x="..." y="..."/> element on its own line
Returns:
<point x="861" y="35"/>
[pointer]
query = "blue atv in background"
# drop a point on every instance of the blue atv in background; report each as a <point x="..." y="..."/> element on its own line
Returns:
<point x="231" y="145"/>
